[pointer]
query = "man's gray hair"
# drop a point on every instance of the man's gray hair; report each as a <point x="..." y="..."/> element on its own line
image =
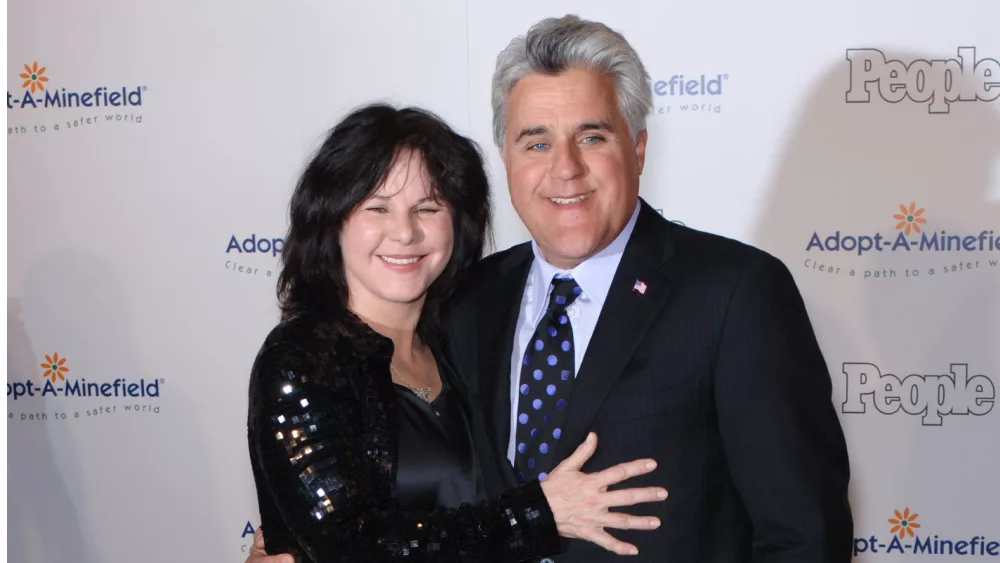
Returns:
<point x="555" y="45"/>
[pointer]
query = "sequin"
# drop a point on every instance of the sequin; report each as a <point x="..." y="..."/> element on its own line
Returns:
<point x="325" y="473"/>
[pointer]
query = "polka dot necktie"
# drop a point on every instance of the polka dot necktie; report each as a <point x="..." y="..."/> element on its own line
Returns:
<point x="547" y="375"/>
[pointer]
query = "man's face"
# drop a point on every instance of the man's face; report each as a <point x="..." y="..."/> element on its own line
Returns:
<point x="572" y="168"/>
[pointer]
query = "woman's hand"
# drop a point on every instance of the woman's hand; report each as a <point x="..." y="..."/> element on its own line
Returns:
<point x="580" y="501"/>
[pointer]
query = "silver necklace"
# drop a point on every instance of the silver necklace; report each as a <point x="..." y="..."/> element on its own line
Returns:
<point x="423" y="392"/>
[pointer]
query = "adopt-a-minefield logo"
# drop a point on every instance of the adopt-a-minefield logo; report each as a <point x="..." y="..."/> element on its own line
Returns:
<point x="31" y="103"/>
<point x="691" y="94"/>
<point x="908" y="533"/>
<point x="253" y="254"/>
<point x="940" y="253"/>
<point x="72" y="396"/>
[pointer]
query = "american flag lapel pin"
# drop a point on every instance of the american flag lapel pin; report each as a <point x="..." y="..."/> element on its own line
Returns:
<point x="639" y="286"/>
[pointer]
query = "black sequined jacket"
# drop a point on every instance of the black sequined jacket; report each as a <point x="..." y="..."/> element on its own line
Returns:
<point x="322" y="434"/>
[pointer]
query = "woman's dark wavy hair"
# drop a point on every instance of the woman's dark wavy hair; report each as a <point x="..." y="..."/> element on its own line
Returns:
<point x="348" y="168"/>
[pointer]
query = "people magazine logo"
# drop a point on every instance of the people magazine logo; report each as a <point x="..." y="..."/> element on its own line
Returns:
<point x="689" y="94"/>
<point x="63" y="393"/>
<point x="906" y="533"/>
<point x="253" y="255"/>
<point x="908" y="232"/>
<point x="938" y="83"/>
<point x="39" y="103"/>
<point x="932" y="396"/>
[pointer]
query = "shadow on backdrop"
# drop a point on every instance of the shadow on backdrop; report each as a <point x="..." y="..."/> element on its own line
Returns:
<point x="848" y="167"/>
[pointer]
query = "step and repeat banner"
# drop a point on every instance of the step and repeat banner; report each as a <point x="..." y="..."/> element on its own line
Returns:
<point x="153" y="147"/>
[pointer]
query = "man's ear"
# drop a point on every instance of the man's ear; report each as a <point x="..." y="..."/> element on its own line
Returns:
<point x="640" y="150"/>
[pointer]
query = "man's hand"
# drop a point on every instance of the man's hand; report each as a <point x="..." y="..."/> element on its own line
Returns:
<point x="580" y="501"/>
<point x="259" y="555"/>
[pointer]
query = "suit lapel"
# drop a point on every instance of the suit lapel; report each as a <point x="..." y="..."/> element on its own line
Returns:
<point x="625" y="317"/>
<point x="500" y="307"/>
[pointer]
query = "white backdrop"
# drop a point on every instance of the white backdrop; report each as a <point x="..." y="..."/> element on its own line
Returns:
<point x="127" y="232"/>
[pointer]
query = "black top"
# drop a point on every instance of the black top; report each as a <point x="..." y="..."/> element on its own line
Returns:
<point x="324" y="429"/>
<point x="437" y="466"/>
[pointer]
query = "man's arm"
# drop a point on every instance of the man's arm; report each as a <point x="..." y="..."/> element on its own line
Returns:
<point x="781" y="436"/>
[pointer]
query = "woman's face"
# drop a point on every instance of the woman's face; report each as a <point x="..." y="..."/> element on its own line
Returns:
<point x="396" y="243"/>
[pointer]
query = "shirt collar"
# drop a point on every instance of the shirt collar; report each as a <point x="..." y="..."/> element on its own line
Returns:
<point x="594" y="275"/>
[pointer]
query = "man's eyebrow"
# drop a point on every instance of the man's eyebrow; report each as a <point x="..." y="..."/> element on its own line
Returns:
<point x="595" y="125"/>
<point x="531" y="132"/>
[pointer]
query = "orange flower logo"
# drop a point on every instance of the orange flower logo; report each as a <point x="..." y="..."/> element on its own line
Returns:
<point x="904" y="523"/>
<point x="54" y="368"/>
<point x="910" y="219"/>
<point x="33" y="76"/>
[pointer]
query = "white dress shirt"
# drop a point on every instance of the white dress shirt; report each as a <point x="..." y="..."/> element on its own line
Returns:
<point x="594" y="276"/>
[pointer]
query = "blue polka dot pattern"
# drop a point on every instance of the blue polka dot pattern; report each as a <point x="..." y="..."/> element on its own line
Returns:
<point x="549" y="361"/>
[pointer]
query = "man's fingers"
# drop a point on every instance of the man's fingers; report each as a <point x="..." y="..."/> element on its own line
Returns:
<point x="580" y="456"/>
<point x="258" y="553"/>
<point x="610" y="543"/>
<point x="264" y="558"/>
<point x="623" y="471"/>
<point x="628" y="497"/>
<point x="624" y="521"/>
<point x="258" y="539"/>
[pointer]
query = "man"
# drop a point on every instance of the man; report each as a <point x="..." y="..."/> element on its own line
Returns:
<point x="673" y="344"/>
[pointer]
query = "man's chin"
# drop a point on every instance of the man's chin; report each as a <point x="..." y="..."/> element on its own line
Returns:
<point x="570" y="253"/>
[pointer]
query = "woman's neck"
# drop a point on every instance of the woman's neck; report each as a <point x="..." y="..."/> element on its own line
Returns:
<point x="396" y="321"/>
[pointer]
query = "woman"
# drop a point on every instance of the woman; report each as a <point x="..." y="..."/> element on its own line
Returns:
<point x="358" y="428"/>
